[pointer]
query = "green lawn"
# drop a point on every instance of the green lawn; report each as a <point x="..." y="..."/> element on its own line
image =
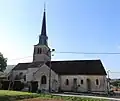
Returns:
<point x="6" y="95"/>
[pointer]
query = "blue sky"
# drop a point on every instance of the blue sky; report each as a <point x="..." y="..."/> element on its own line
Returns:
<point x="72" y="25"/>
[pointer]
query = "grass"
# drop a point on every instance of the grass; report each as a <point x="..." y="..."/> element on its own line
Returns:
<point x="6" y="95"/>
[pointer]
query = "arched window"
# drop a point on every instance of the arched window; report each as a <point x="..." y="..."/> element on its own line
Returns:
<point x="43" y="79"/>
<point x="38" y="51"/>
<point x="21" y="73"/>
<point x="97" y="82"/>
<point x="24" y="77"/>
<point x="17" y="77"/>
<point x="81" y="81"/>
<point x="67" y="82"/>
<point x="34" y="51"/>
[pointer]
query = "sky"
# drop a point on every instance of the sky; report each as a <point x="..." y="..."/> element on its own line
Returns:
<point x="72" y="26"/>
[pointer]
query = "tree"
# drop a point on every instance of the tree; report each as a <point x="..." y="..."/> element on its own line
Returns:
<point x="3" y="62"/>
<point x="116" y="83"/>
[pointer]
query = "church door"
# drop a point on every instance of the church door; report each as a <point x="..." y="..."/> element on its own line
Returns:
<point x="75" y="85"/>
<point x="54" y="85"/>
<point x="88" y="85"/>
<point x="43" y="83"/>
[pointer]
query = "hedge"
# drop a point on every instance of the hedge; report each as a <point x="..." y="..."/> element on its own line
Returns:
<point x="17" y="85"/>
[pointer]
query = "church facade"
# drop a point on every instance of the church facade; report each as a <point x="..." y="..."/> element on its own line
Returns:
<point x="73" y="75"/>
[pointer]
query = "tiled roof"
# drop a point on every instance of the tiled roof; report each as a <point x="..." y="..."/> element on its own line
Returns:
<point x="82" y="67"/>
<point x="24" y="66"/>
<point x="21" y="66"/>
<point x="74" y="67"/>
<point x="35" y="64"/>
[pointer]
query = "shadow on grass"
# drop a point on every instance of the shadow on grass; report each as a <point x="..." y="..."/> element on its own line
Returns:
<point x="14" y="98"/>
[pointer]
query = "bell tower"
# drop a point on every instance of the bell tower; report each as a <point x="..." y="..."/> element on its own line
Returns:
<point x="41" y="50"/>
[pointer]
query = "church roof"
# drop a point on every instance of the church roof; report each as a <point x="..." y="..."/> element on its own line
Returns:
<point x="21" y="66"/>
<point x="73" y="67"/>
<point x="25" y="66"/>
<point x="76" y="67"/>
<point x="43" y="30"/>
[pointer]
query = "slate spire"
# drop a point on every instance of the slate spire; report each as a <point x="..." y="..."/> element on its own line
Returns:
<point x="43" y="30"/>
<point x="43" y="37"/>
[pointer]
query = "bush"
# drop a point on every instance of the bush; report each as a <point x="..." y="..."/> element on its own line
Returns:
<point x="5" y="84"/>
<point x="17" y="85"/>
<point x="34" y="86"/>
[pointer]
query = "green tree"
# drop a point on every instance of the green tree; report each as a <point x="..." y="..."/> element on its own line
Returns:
<point x="3" y="62"/>
<point x="116" y="83"/>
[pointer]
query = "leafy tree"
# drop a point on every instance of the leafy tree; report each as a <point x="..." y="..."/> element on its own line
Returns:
<point x="3" y="62"/>
<point x="116" y="83"/>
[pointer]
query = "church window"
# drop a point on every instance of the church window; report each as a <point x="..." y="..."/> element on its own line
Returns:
<point x="81" y="81"/>
<point x="34" y="51"/>
<point x="21" y="73"/>
<point x="75" y="80"/>
<point x="43" y="79"/>
<point x="24" y="77"/>
<point x="97" y="82"/>
<point x="38" y="51"/>
<point x="17" y="77"/>
<point x="67" y="82"/>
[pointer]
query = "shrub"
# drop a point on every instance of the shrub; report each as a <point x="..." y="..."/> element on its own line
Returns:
<point x="17" y="85"/>
<point x="5" y="84"/>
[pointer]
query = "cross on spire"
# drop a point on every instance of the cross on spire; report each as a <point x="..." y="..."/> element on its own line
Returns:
<point x="44" y="7"/>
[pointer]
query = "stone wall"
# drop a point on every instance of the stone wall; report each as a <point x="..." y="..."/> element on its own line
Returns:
<point x="82" y="84"/>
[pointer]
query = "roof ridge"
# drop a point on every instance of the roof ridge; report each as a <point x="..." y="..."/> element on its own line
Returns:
<point x="25" y="63"/>
<point x="76" y="60"/>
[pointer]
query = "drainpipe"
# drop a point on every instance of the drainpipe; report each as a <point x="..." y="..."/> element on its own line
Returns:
<point x="108" y="82"/>
<point x="50" y="70"/>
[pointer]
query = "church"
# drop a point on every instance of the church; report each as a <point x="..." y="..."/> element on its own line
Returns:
<point x="67" y="76"/>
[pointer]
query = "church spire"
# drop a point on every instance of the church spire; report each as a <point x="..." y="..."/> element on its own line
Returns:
<point x="44" y="7"/>
<point x="43" y="30"/>
<point x="43" y="37"/>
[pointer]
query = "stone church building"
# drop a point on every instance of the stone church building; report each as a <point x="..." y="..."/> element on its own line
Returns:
<point x="72" y="75"/>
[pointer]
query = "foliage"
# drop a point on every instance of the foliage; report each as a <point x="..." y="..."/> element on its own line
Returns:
<point x="68" y="98"/>
<point x="116" y="83"/>
<point x="18" y="85"/>
<point x="3" y="62"/>
<point x="15" y="95"/>
<point x="5" y="84"/>
<point x="6" y="95"/>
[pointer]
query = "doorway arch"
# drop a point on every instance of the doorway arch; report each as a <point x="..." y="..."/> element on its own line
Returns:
<point x="88" y="85"/>
<point x="43" y="80"/>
